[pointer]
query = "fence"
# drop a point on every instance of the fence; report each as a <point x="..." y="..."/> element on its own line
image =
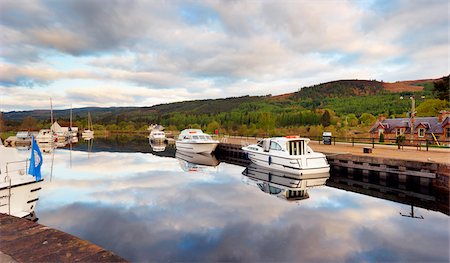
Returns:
<point x="394" y="142"/>
<point x="370" y="141"/>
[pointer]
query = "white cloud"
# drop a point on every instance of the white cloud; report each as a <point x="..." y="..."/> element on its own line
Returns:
<point x="218" y="47"/>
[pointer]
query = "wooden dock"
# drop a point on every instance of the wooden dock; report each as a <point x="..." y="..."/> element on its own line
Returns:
<point x="385" y="161"/>
<point x="22" y="240"/>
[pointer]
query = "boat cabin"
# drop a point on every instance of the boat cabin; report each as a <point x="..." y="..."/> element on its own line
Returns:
<point x="293" y="145"/>
<point x="194" y="134"/>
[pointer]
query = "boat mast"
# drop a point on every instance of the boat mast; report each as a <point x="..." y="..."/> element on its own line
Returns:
<point x="51" y="112"/>
<point x="70" y="117"/>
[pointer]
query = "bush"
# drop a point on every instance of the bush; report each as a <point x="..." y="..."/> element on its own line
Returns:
<point x="381" y="137"/>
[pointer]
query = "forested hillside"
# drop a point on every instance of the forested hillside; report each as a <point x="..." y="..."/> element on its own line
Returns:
<point x="336" y="105"/>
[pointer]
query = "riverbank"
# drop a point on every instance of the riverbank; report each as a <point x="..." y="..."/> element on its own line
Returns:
<point x="22" y="240"/>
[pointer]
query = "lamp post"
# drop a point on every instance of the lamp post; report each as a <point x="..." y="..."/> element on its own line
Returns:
<point x="413" y="113"/>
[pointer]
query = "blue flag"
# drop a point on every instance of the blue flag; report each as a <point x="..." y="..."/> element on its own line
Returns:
<point x="35" y="160"/>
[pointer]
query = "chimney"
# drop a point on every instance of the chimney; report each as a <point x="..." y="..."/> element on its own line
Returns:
<point x="443" y="114"/>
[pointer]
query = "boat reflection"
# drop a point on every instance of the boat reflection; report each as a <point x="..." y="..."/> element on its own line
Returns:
<point x="281" y="184"/>
<point x="196" y="162"/>
<point x="157" y="146"/>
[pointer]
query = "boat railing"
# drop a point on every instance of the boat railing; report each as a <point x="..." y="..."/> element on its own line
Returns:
<point x="16" y="166"/>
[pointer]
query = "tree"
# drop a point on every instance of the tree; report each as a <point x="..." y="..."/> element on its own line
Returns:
<point x="381" y="137"/>
<point x="430" y="108"/>
<point x="441" y="88"/>
<point x="29" y="123"/>
<point x="325" y="120"/>
<point x="212" y="126"/>
<point x="2" y="123"/>
<point x="367" y="119"/>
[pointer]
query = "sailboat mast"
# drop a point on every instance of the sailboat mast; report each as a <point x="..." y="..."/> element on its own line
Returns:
<point x="51" y="111"/>
<point x="71" y="116"/>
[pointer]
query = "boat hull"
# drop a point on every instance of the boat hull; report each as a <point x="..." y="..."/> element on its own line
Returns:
<point x="19" y="200"/>
<point x="301" y="166"/>
<point x="199" y="147"/>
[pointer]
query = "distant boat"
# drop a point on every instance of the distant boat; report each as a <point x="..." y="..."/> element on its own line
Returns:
<point x="19" y="190"/>
<point x="46" y="136"/>
<point x="289" y="154"/>
<point x="23" y="135"/>
<point x="195" y="141"/>
<point x="157" y="135"/>
<point x="88" y="133"/>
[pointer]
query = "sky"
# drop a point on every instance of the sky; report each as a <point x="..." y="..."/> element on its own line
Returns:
<point x="141" y="53"/>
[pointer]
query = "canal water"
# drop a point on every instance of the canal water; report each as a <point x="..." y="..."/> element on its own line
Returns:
<point x="147" y="205"/>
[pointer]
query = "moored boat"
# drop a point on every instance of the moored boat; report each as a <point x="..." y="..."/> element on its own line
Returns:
<point x="157" y="136"/>
<point x="88" y="133"/>
<point x="289" y="154"/>
<point x="195" y="141"/>
<point x="46" y="136"/>
<point x="19" y="190"/>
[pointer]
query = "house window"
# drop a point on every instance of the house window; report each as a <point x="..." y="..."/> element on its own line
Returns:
<point x="421" y="132"/>
<point x="447" y="132"/>
<point x="399" y="131"/>
<point x="380" y="131"/>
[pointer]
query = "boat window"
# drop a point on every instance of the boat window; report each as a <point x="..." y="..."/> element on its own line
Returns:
<point x="207" y="137"/>
<point x="275" y="146"/>
<point x="195" y="137"/>
<point x="260" y="143"/>
<point x="296" y="147"/>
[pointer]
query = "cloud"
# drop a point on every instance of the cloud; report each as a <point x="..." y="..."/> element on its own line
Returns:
<point x="220" y="46"/>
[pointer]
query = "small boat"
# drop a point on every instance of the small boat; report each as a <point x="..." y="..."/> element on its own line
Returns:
<point x="195" y="141"/>
<point x="289" y="154"/>
<point x="88" y="133"/>
<point x="157" y="136"/>
<point x="281" y="184"/>
<point x="23" y="135"/>
<point x="19" y="190"/>
<point x="196" y="162"/>
<point x="46" y="136"/>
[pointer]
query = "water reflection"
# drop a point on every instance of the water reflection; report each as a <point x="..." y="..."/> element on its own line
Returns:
<point x="141" y="205"/>
<point x="196" y="162"/>
<point x="157" y="146"/>
<point x="280" y="184"/>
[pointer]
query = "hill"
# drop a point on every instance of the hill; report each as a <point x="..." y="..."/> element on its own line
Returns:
<point x="344" y="97"/>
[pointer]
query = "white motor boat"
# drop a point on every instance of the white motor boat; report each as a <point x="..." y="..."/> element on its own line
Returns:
<point x="19" y="191"/>
<point x="157" y="136"/>
<point x="46" y="136"/>
<point x="23" y="135"/>
<point x="280" y="184"/>
<point x="195" y="141"/>
<point x="88" y="133"/>
<point x="289" y="154"/>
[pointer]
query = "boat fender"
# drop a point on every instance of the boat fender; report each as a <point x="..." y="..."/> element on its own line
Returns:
<point x="270" y="160"/>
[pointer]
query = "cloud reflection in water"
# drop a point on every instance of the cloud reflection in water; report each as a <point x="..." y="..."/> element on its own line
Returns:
<point x="146" y="208"/>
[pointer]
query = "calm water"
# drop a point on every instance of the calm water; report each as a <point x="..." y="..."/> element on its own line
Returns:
<point x="145" y="206"/>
